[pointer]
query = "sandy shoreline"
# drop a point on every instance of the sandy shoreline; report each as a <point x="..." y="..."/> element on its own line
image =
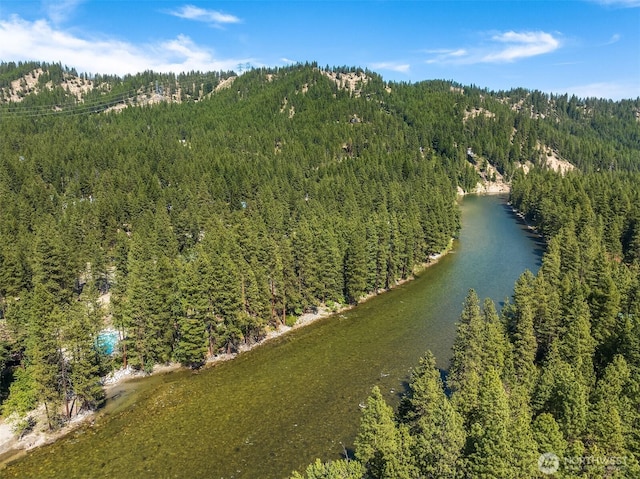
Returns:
<point x="12" y="447"/>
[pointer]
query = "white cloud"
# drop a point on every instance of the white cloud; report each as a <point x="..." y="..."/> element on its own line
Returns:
<point x="460" y="52"/>
<point x="287" y="60"/>
<point x="22" y="40"/>
<point x="393" y="66"/>
<point x="614" y="39"/>
<point x="446" y="55"/>
<point x="503" y="47"/>
<point x="59" y="11"/>
<point x="521" y="45"/>
<point x="619" y="3"/>
<point x="611" y="90"/>
<point x="213" y="17"/>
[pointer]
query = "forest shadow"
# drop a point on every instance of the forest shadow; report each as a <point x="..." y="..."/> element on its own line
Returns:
<point x="536" y="238"/>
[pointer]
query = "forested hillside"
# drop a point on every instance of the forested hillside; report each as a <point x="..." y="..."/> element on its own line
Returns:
<point x="208" y="208"/>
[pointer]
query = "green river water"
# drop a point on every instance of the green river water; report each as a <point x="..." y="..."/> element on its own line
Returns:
<point x="276" y="408"/>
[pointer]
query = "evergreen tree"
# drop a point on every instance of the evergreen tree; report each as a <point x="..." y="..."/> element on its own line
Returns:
<point x="22" y="400"/>
<point x="436" y="427"/>
<point x="142" y="299"/>
<point x="562" y="392"/>
<point x="161" y="323"/>
<point x="576" y="345"/>
<point x="497" y="350"/>
<point x="81" y="337"/>
<point x="467" y="360"/>
<point x="191" y="343"/>
<point x="380" y="445"/>
<point x="330" y="260"/>
<point x="547" y="435"/>
<point x="341" y="469"/>
<point x="51" y="263"/>
<point x="306" y="264"/>
<point x="546" y="307"/>
<point x="467" y="352"/>
<point x="14" y="271"/>
<point x="489" y="451"/>
<point x="524" y="460"/>
<point x="355" y="265"/>
<point x="524" y="347"/>
<point x="43" y="351"/>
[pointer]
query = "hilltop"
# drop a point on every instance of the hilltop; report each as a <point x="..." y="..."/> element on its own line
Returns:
<point x="505" y="130"/>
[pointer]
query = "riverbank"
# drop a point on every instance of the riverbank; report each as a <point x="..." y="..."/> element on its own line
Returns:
<point x="324" y="311"/>
<point x="120" y="387"/>
<point x="486" y="188"/>
<point x="522" y="218"/>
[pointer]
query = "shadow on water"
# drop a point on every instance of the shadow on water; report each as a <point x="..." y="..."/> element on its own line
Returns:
<point x="529" y="231"/>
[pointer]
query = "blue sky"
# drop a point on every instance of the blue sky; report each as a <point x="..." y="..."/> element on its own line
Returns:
<point x="583" y="47"/>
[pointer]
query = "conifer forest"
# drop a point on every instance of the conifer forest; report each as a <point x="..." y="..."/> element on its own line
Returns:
<point x="192" y="214"/>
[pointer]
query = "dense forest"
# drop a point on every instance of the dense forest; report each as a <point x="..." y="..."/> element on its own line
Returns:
<point x="209" y="208"/>
<point x="556" y="372"/>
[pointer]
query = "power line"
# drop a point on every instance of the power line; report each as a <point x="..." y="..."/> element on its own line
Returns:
<point x="98" y="103"/>
<point x="103" y="102"/>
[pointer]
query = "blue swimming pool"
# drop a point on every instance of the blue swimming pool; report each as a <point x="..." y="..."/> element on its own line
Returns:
<point x="107" y="341"/>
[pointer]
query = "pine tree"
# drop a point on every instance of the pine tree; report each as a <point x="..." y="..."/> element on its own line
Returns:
<point x="43" y="351"/>
<point x="611" y="417"/>
<point x="576" y="345"/>
<point x="489" y="451"/>
<point x="276" y="283"/>
<point x="165" y="240"/>
<point x="141" y="298"/>
<point x="22" y="399"/>
<point x="14" y="271"/>
<point x="467" y="360"/>
<point x="547" y="435"/>
<point x="293" y="300"/>
<point x="329" y="264"/>
<point x="355" y="265"/>
<point x="341" y="469"/>
<point x="524" y="347"/>
<point x="562" y="392"/>
<point x="148" y="310"/>
<point x="51" y="263"/>
<point x="254" y="313"/>
<point x="306" y="263"/>
<point x="81" y="338"/>
<point x="604" y="305"/>
<point x="374" y="282"/>
<point x="436" y="427"/>
<point x="225" y="286"/>
<point x="191" y="342"/>
<point x="521" y="439"/>
<point x="384" y="261"/>
<point x="546" y="307"/>
<point x="161" y="320"/>
<point x="497" y="350"/>
<point x="467" y="347"/>
<point x="380" y="445"/>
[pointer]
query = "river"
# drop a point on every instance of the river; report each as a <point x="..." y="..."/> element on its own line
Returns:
<point x="278" y="407"/>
